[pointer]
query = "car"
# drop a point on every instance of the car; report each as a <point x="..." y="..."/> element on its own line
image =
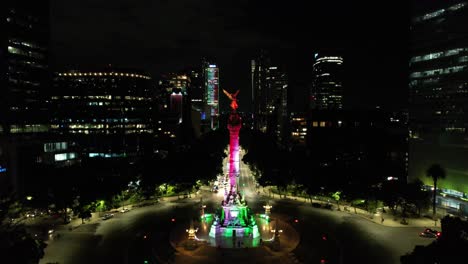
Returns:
<point x="124" y="210"/>
<point x="431" y="233"/>
<point x="107" y="216"/>
<point x="31" y="214"/>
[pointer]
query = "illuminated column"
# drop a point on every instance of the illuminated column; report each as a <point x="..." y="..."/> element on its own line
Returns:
<point x="234" y="126"/>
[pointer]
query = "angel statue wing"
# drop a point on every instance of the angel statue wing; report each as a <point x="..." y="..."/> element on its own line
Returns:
<point x="228" y="94"/>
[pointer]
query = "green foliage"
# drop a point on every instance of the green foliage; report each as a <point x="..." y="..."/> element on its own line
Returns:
<point x="336" y="196"/>
<point x="372" y="205"/>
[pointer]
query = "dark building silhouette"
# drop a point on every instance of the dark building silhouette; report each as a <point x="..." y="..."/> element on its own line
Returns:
<point x="270" y="97"/>
<point x="369" y="144"/>
<point x="24" y="67"/>
<point x="24" y="110"/>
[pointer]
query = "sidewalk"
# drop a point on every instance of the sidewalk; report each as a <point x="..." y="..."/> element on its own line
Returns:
<point x="389" y="219"/>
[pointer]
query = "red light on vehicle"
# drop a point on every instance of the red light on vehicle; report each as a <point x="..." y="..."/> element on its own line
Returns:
<point x="144" y="236"/>
<point x="324" y="237"/>
<point x="296" y="221"/>
<point x="438" y="233"/>
<point x="323" y="261"/>
<point x="173" y="220"/>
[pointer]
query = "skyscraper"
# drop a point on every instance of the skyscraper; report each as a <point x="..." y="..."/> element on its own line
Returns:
<point x="24" y="67"/>
<point x="211" y="113"/>
<point x="25" y="83"/>
<point x="269" y="96"/>
<point x="438" y="89"/>
<point x="438" y="70"/>
<point x="258" y="75"/>
<point x="327" y="87"/>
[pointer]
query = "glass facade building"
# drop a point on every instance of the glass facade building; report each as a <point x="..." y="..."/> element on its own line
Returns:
<point x="108" y="112"/>
<point x="438" y="93"/>
<point x="327" y="87"/>
<point x="438" y="79"/>
<point x="24" y="67"/>
<point x="211" y="96"/>
<point x="270" y="97"/>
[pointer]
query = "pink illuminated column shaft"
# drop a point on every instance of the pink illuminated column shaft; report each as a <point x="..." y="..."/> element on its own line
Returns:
<point x="234" y="126"/>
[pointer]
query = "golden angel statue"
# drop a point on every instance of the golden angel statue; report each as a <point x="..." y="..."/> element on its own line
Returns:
<point x="233" y="98"/>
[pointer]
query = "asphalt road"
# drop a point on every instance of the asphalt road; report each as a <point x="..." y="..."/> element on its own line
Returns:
<point x="349" y="238"/>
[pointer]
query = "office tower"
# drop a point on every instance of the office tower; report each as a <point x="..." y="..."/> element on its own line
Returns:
<point x="270" y="97"/>
<point x="438" y="89"/>
<point x="109" y="112"/>
<point x="24" y="67"/>
<point x="258" y="75"/>
<point x="196" y="88"/>
<point x="24" y="113"/>
<point x="438" y="70"/>
<point x="298" y="124"/>
<point x="176" y="104"/>
<point x="327" y="87"/>
<point x="211" y="103"/>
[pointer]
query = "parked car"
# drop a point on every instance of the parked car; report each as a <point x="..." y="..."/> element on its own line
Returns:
<point x="430" y="233"/>
<point x="124" y="210"/>
<point x="107" y="216"/>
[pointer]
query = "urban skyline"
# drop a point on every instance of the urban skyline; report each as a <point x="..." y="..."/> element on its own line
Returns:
<point x="115" y="36"/>
<point x="233" y="132"/>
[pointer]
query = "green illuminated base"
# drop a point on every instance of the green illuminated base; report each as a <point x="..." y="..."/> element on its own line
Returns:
<point x="250" y="231"/>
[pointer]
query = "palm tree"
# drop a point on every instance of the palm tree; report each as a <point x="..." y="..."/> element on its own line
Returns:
<point x="435" y="172"/>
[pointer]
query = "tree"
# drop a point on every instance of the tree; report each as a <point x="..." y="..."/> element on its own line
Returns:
<point x="17" y="245"/>
<point x="336" y="197"/>
<point x="84" y="214"/>
<point x="435" y="172"/>
<point x="414" y="195"/>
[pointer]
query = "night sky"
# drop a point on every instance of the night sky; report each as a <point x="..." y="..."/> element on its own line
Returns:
<point x="169" y="35"/>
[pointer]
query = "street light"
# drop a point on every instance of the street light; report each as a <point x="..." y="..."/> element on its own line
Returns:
<point x="203" y="210"/>
<point x="267" y="209"/>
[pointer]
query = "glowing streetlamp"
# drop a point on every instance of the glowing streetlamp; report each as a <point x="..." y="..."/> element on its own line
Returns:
<point x="267" y="209"/>
<point x="203" y="210"/>
<point x="191" y="232"/>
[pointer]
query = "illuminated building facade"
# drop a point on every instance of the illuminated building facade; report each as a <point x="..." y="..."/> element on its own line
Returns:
<point x="108" y="112"/>
<point x="174" y="82"/>
<point x="24" y="67"/>
<point x="298" y="125"/>
<point x="211" y="113"/>
<point x="438" y="77"/>
<point x="438" y="89"/>
<point x="327" y="86"/>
